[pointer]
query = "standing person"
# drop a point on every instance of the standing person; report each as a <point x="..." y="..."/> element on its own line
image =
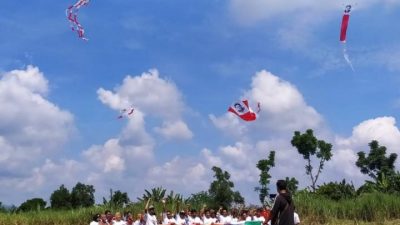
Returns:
<point x="282" y="212"/>
<point x="103" y="219"/>
<point x="118" y="219"/>
<point x="139" y="220"/>
<point x="150" y="214"/>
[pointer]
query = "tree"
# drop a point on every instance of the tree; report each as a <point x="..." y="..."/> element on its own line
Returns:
<point x="264" y="165"/>
<point x="308" y="145"/>
<point x="199" y="199"/>
<point x="156" y="194"/>
<point x="34" y="204"/>
<point x="61" y="198"/>
<point x="118" y="198"/>
<point x="337" y="191"/>
<point x="82" y="195"/>
<point x="221" y="189"/>
<point x="376" y="164"/>
<point x="292" y="184"/>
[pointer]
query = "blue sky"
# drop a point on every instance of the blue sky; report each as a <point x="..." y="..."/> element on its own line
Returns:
<point x="181" y="64"/>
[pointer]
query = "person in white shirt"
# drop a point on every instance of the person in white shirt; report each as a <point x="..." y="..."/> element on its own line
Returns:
<point x="224" y="217"/>
<point x="150" y="214"/>
<point x="207" y="219"/>
<point x="193" y="218"/>
<point x="168" y="218"/>
<point x="139" y="220"/>
<point x="118" y="219"/>
<point x="180" y="218"/>
<point x="258" y="216"/>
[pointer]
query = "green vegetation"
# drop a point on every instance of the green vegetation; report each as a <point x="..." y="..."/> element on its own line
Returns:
<point x="375" y="202"/>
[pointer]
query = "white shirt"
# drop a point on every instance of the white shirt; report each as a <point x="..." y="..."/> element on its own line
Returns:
<point x="208" y="221"/>
<point x="94" y="223"/>
<point x="121" y="222"/>
<point x="225" y="219"/>
<point x="296" y="218"/>
<point x="150" y="219"/>
<point x="180" y="220"/>
<point x="195" y="220"/>
<point x="261" y="218"/>
<point x="168" y="221"/>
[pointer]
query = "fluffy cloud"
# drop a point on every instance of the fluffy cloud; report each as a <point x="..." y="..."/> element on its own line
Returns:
<point x="155" y="97"/>
<point x="283" y="108"/>
<point x="175" y="130"/>
<point x="382" y="129"/>
<point x="31" y="128"/>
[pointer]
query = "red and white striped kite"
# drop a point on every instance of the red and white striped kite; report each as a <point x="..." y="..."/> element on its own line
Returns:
<point x="243" y="110"/>
<point x="72" y="15"/>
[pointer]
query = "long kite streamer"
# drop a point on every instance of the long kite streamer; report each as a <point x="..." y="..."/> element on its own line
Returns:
<point x="72" y="15"/>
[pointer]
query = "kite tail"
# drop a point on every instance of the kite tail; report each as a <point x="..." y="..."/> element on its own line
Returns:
<point x="347" y="58"/>
<point x="258" y="107"/>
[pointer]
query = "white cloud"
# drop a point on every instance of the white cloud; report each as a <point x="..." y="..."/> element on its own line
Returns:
<point x="149" y="93"/>
<point x="175" y="130"/>
<point x="283" y="108"/>
<point x="32" y="129"/>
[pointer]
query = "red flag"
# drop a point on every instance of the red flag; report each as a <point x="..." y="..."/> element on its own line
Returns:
<point x="243" y="110"/>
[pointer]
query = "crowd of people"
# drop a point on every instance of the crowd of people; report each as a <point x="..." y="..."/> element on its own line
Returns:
<point x="282" y="213"/>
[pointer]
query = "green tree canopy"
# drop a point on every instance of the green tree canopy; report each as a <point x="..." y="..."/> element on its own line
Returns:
<point x="376" y="163"/>
<point x="292" y="184"/>
<point x="34" y="204"/>
<point x="61" y="198"/>
<point x="264" y="165"/>
<point x="221" y="190"/>
<point x="308" y="145"/>
<point x="82" y="195"/>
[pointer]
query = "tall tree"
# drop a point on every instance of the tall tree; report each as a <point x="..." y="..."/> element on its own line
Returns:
<point x="82" y="195"/>
<point x="156" y="194"/>
<point x="376" y="163"/>
<point x="221" y="189"/>
<point x="308" y="145"/>
<point x="264" y="165"/>
<point x="34" y="204"/>
<point x="118" y="198"/>
<point x="61" y="198"/>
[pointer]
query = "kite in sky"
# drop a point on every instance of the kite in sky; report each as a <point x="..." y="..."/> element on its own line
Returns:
<point x="343" y="33"/>
<point x="72" y="15"/>
<point x="243" y="110"/>
<point x="126" y="112"/>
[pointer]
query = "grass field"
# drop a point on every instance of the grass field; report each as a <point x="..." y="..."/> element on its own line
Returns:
<point x="368" y="209"/>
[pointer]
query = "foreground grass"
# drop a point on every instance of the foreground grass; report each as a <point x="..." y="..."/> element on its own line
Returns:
<point x="374" y="207"/>
<point x="368" y="209"/>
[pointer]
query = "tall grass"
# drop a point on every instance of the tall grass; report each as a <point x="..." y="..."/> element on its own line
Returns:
<point x="368" y="209"/>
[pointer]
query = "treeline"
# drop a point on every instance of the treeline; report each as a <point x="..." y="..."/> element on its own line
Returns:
<point x="374" y="162"/>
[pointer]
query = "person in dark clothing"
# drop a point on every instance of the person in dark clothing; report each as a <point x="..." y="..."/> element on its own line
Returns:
<point x="282" y="212"/>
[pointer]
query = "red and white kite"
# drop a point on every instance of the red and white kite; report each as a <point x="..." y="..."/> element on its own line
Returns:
<point x="343" y="33"/>
<point x="126" y="113"/>
<point x="345" y="23"/>
<point x="72" y="15"/>
<point x="243" y="110"/>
